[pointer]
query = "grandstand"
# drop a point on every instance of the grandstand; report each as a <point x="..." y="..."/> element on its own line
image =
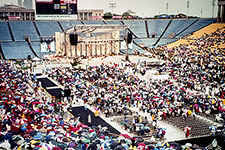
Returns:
<point x="151" y="33"/>
<point x="146" y="33"/>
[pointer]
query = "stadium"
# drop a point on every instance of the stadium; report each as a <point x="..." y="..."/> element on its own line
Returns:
<point x="111" y="84"/>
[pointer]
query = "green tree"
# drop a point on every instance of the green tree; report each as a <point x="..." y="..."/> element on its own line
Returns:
<point x="108" y="14"/>
<point x="125" y="14"/>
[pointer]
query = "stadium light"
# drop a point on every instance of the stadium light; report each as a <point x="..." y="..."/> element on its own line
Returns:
<point x="167" y="7"/>
<point x="188" y="4"/>
<point x="112" y="5"/>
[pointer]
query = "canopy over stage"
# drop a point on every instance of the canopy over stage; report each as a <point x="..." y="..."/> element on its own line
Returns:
<point x="91" y="40"/>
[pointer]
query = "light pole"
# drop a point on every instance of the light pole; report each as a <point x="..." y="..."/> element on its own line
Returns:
<point x="201" y="12"/>
<point x="213" y="5"/>
<point x="188" y="3"/>
<point x="112" y="5"/>
<point x="167" y="6"/>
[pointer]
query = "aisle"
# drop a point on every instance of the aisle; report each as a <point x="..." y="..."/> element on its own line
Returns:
<point x="95" y="121"/>
<point x="50" y="87"/>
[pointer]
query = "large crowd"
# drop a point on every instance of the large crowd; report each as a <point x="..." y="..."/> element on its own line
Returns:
<point x="32" y="120"/>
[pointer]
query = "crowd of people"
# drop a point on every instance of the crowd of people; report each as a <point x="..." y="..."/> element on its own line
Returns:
<point x="31" y="120"/>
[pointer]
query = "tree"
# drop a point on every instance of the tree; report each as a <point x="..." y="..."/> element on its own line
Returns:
<point x="125" y="14"/>
<point x="156" y="16"/>
<point x="107" y="15"/>
<point x="116" y="15"/>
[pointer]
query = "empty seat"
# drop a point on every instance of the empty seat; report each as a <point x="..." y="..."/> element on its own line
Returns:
<point x="48" y="28"/>
<point x="137" y="27"/>
<point x="157" y="26"/>
<point x="23" y="28"/>
<point x="197" y="26"/>
<point x="177" y="26"/>
<point x="4" y="32"/>
<point x="69" y="24"/>
<point x="16" y="50"/>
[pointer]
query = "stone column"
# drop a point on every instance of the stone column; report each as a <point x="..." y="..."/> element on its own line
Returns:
<point x="94" y="49"/>
<point x="86" y="49"/>
<point x="100" y="48"/>
<point x="57" y="43"/>
<point x="68" y="46"/>
<point x="81" y="48"/>
<point x="105" y="53"/>
<point x="83" y="15"/>
<point x="91" y="49"/>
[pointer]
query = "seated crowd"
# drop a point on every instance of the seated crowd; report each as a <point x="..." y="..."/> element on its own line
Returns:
<point x="31" y="120"/>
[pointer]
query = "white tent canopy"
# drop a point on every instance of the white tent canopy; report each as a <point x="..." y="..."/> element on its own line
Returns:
<point x="36" y="59"/>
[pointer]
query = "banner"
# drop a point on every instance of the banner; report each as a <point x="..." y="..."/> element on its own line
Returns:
<point x="44" y="1"/>
<point x="48" y="46"/>
<point x="44" y="47"/>
<point x="13" y="17"/>
<point x="96" y="17"/>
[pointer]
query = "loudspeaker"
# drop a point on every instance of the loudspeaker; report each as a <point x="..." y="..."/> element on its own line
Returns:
<point x="129" y="38"/>
<point x="28" y="57"/>
<point x="73" y="39"/>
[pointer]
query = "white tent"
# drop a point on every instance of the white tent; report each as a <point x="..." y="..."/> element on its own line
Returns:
<point x="36" y="59"/>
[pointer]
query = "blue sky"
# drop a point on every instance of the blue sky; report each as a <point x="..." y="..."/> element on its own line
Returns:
<point x="147" y="7"/>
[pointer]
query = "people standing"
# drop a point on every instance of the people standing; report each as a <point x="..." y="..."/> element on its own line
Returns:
<point x="187" y="131"/>
<point x="89" y="119"/>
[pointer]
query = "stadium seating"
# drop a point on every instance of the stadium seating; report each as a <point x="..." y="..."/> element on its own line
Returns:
<point x="146" y="42"/>
<point x="22" y="28"/>
<point x="198" y="126"/>
<point x="69" y="24"/>
<point x="197" y="26"/>
<point x="156" y="27"/>
<point x="165" y="41"/>
<point x="4" y="32"/>
<point x="48" y="28"/>
<point x="177" y="26"/>
<point x="113" y="22"/>
<point x="137" y="27"/>
<point x="16" y="50"/>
